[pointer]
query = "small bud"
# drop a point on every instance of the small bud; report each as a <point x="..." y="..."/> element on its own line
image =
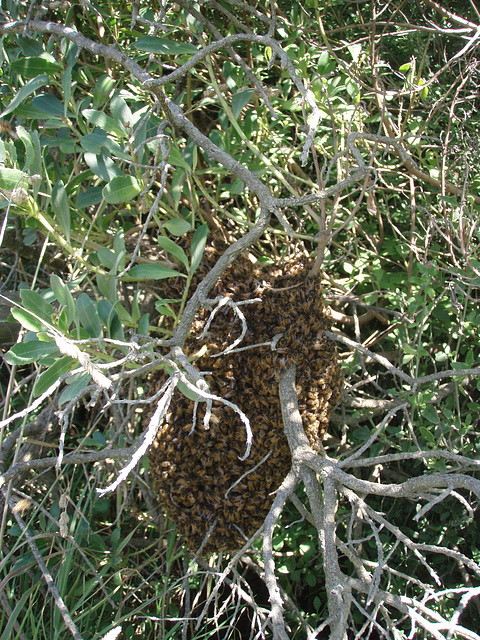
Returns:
<point x="19" y="195"/>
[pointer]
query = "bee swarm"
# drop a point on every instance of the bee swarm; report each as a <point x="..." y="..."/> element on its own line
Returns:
<point x="195" y="473"/>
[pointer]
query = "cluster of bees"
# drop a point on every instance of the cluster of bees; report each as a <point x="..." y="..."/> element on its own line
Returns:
<point x="216" y="499"/>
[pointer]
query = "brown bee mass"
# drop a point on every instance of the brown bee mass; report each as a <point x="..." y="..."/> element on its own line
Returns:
<point x="198" y="475"/>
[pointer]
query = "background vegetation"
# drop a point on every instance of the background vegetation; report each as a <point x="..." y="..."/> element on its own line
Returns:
<point x="128" y="127"/>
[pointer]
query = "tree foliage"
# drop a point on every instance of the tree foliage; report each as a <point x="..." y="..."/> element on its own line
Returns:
<point x="132" y="135"/>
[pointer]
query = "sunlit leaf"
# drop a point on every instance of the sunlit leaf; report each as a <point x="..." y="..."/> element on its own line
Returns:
<point x="10" y="178"/>
<point x="176" y="160"/>
<point x="32" y="67"/>
<point x="177" y="226"/>
<point x="106" y="257"/>
<point x="151" y="44"/>
<point x="198" y="245"/>
<point x="143" y="324"/>
<point x="121" y="189"/>
<point x="61" y="208"/>
<point x="121" y="111"/>
<point x="240" y="100"/>
<point x="51" y="375"/>
<point x="103" y="88"/>
<point x="30" y="87"/>
<point x="24" y="136"/>
<point x="151" y="272"/>
<point x="93" y="143"/>
<point x="88" y="317"/>
<point x="27" y="320"/>
<point x="173" y="249"/>
<point x="100" y="119"/>
<point x="102" y="165"/>
<point x="33" y="301"/>
<point x="31" y="351"/>
<point x="63" y="295"/>
<point x="355" y="50"/>
<point x="110" y="319"/>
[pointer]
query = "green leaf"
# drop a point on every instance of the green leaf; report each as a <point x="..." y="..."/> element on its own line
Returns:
<point x="89" y="197"/>
<point x="324" y="63"/>
<point x="428" y="435"/>
<point x="106" y="257"/>
<point x="310" y="579"/>
<point x="198" y="245"/>
<point x="10" y="178"/>
<point x="452" y="200"/>
<point x="63" y="296"/>
<point x="51" y="375"/>
<point x="88" y="317"/>
<point x="30" y="46"/>
<point x="70" y="58"/>
<point x="11" y="626"/>
<point x="240" y="100"/>
<point x="33" y="301"/>
<point x="177" y="226"/>
<point x="110" y="319"/>
<point x="102" y="165"/>
<point x="74" y="385"/>
<point x="29" y="112"/>
<point x="29" y="147"/>
<point x="123" y="314"/>
<point x="50" y="105"/>
<point x="61" y="208"/>
<point x="144" y="324"/>
<point x="176" y="187"/>
<point x="458" y="366"/>
<point x="431" y="414"/>
<point x="100" y="119"/>
<point x="31" y="351"/>
<point x="136" y="315"/>
<point x="174" y="250"/>
<point x="188" y="393"/>
<point x="355" y="50"/>
<point x="24" y="92"/>
<point x="107" y="287"/>
<point x="96" y="440"/>
<point x="32" y="67"/>
<point x="151" y="44"/>
<point x="121" y="111"/>
<point x="121" y="189"/>
<point x="37" y="166"/>
<point x="93" y="143"/>
<point x="176" y="160"/>
<point x="105" y="309"/>
<point x="151" y="272"/>
<point x="28" y="321"/>
<point x="103" y="89"/>
<point x="164" y="309"/>
<point x="119" y="242"/>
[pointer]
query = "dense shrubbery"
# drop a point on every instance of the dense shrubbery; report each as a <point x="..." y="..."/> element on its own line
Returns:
<point x="349" y="129"/>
